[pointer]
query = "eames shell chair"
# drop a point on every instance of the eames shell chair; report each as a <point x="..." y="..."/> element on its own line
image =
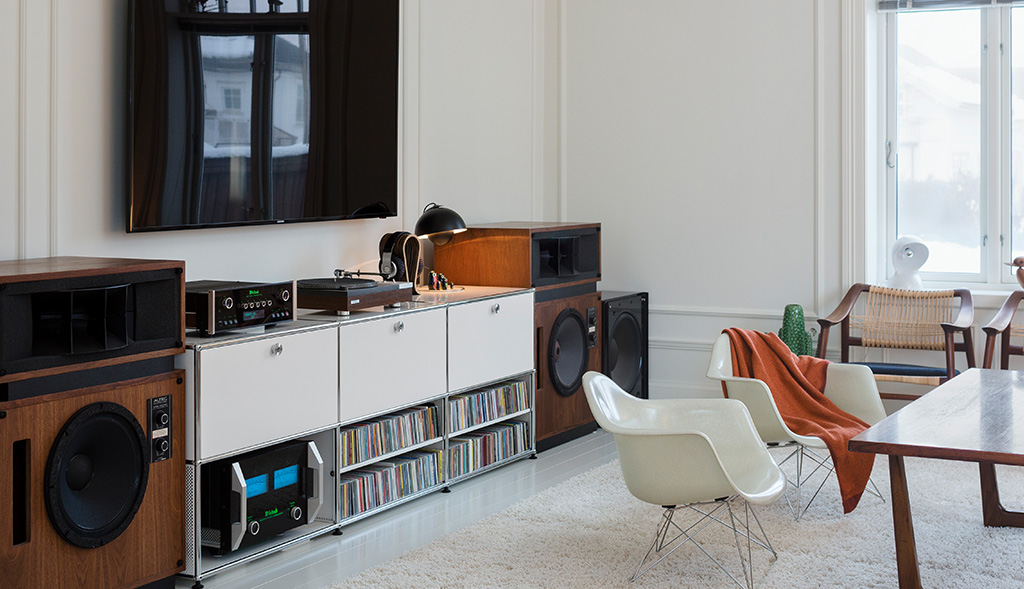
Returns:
<point x="850" y="386"/>
<point x="689" y="454"/>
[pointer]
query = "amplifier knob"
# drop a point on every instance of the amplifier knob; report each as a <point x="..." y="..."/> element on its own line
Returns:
<point x="160" y="445"/>
<point x="296" y="513"/>
<point x="227" y="302"/>
<point x="285" y="295"/>
<point x="254" y="527"/>
<point x="162" y="418"/>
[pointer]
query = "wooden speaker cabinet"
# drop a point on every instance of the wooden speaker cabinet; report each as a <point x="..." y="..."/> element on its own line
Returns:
<point x="544" y="256"/>
<point x="562" y="261"/>
<point x="567" y="346"/>
<point x="93" y="496"/>
<point x="66" y="314"/>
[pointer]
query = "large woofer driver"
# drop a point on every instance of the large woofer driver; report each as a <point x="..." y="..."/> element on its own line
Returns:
<point x="625" y="353"/>
<point x="96" y="474"/>
<point x="568" y="352"/>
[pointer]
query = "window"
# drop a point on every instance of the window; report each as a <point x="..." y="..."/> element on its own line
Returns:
<point x="954" y="96"/>
<point x="233" y="98"/>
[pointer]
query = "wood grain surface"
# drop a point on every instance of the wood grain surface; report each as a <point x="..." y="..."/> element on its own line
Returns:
<point x="153" y="545"/>
<point x="973" y="417"/>
<point x="553" y="412"/>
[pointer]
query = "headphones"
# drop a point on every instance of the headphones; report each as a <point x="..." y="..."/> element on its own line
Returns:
<point x="392" y="265"/>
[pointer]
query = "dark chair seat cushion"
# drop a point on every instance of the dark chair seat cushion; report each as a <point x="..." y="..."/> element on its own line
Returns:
<point x="904" y="369"/>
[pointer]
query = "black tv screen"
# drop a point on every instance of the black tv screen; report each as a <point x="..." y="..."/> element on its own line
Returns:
<point x="262" y="111"/>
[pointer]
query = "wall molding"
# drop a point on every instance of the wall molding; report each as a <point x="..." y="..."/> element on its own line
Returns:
<point x="692" y="311"/>
<point x="22" y="199"/>
<point x="683" y="389"/>
<point x="679" y="345"/>
<point x="53" y="180"/>
<point x="409" y="121"/>
<point x="852" y="133"/>
<point x="820" y="186"/>
<point x="563" y="124"/>
<point x="537" y="164"/>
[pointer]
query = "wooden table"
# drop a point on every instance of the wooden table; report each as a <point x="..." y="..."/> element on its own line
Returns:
<point x="976" y="417"/>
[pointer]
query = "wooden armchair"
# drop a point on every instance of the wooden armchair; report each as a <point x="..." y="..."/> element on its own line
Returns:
<point x="1002" y="326"/>
<point x="904" y="319"/>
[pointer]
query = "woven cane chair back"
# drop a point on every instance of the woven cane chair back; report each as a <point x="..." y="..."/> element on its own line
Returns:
<point x="905" y="319"/>
<point x="880" y="317"/>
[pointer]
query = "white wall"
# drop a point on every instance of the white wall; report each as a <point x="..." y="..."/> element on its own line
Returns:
<point x="706" y="137"/>
<point x="694" y="131"/>
<point x="468" y="125"/>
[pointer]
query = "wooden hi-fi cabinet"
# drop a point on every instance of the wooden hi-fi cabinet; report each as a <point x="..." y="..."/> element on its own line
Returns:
<point x="92" y="453"/>
<point x="562" y="262"/>
<point x="87" y="508"/>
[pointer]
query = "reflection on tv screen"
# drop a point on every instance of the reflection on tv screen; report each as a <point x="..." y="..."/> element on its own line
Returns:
<point x="262" y="112"/>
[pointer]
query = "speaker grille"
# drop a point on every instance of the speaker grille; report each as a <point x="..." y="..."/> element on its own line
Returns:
<point x="96" y="474"/>
<point x="568" y="351"/>
<point x="625" y="355"/>
<point x="190" y="521"/>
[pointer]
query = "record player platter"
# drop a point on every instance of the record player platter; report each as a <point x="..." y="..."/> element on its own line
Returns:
<point x="346" y="283"/>
<point x="347" y="294"/>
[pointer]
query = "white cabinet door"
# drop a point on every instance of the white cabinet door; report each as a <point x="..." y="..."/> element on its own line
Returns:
<point x="266" y="389"/>
<point x="391" y="362"/>
<point x="489" y="340"/>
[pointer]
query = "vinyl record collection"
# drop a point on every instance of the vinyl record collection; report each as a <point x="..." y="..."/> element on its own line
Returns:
<point x="384" y="482"/>
<point x="390" y="433"/>
<point x="486" y="446"/>
<point x="465" y="411"/>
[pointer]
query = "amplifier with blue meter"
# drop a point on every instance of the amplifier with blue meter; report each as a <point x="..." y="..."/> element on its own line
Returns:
<point x="251" y="498"/>
<point x="213" y="306"/>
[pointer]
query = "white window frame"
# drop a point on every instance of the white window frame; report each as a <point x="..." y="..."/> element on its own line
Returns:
<point x="996" y="186"/>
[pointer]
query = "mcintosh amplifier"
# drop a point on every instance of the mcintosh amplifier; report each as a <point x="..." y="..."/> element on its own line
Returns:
<point x="253" y="497"/>
<point x="212" y="306"/>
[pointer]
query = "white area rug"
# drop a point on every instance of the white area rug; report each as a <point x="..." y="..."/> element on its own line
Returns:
<point x="590" y="532"/>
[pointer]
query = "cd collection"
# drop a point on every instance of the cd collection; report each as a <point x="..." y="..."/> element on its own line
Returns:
<point x="387" y="481"/>
<point x="485" y="446"/>
<point x="365" y="441"/>
<point x="465" y="411"/>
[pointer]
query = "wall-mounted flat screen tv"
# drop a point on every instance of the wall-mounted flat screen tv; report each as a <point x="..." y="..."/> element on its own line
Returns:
<point x="262" y="111"/>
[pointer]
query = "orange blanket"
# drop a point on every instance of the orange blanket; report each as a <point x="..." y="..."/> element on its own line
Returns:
<point x="797" y="384"/>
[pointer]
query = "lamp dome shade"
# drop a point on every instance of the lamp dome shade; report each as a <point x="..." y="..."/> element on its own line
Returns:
<point x="438" y="224"/>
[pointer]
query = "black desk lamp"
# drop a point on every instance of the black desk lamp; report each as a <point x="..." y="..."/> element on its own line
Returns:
<point x="439" y="224"/>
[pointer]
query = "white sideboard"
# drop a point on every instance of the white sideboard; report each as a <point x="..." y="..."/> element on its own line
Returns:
<point x="400" y="402"/>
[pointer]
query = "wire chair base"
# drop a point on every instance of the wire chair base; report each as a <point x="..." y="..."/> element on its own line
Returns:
<point x="669" y="536"/>
<point x="818" y="463"/>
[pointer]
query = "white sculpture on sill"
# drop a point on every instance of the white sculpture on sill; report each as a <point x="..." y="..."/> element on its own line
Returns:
<point x="909" y="253"/>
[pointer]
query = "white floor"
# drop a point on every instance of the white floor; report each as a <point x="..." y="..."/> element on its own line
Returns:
<point x="378" y="539"/>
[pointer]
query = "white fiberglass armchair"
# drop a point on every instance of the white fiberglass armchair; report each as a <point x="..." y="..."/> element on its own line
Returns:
<point x="850" y="386"/>
<point x="689" y="454"/>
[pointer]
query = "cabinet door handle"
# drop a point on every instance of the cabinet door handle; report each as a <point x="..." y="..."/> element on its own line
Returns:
<point x="496" y="308"/>
<point x="400" y="327"/>
<point x="276" y="349"/>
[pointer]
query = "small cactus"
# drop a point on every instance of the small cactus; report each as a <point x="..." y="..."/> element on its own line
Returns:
<point x="793" y="332"/>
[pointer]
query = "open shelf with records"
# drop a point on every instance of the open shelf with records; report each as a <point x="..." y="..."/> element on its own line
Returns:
<point x="390" y="459"/>
<point x="489" y="426"/>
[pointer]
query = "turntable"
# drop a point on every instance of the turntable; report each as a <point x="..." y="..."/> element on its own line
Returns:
<point x="347" y="292"/>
